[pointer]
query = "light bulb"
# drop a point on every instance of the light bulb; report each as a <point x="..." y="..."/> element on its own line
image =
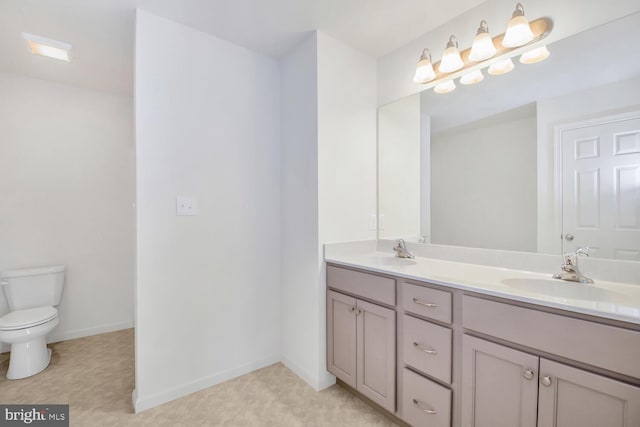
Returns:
<point x="445" y="87"/>
<point x="482" y="47"/>
<point x="518" y="30"/>
<point x="501" y="67"/>
<point x="424" y="69"/>
<point x="472" y="78"/>
<point x="535" y="55"/>
<point x="451" y="60"/>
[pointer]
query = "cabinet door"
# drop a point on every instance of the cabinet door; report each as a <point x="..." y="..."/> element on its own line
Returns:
<point x="572" y="397"/>
<point x="341" y="337"/>
<point x="499" y="385"/>
<point x="377" y="354"/>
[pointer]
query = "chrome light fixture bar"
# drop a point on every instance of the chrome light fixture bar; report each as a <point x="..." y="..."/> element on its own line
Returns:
<point x="486" y="52"/>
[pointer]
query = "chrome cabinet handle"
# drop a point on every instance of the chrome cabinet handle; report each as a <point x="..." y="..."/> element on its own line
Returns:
<point x="528" y="374"/>
<point x="545" y="381"/>
<point x="569" y="237"/>
<point x="428" y="411"/>
<point x="424" y="350"/>
<point x="352" y="309"/>
<point x="358" y="311"/>
<point x="426" y="304"/>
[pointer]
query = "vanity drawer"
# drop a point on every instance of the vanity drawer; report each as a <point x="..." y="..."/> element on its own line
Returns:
<point x="427" y="302"/>
<point x="425" y="403"/>
<point x="427" y="348"/>
<point x="608" y="347"/>
<point x="376" y="288"/>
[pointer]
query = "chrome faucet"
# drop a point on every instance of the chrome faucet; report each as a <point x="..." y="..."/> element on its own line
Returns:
<point x="570" y="269"/>
<point x="401" y="249"/>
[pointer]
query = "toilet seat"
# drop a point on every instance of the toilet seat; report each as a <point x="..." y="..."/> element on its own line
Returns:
<point x="22" y="319"/>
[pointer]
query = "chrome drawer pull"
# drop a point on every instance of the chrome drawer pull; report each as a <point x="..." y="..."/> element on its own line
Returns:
<point x="546" y="381"/>
<point x="426" y="304"/>
<point x="424" y="350"/>
<point x="528" y="374"/>
<point x="428" y="411"/>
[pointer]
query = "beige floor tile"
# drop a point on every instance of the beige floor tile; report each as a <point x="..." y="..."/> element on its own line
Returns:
<point x="95" y="376"/>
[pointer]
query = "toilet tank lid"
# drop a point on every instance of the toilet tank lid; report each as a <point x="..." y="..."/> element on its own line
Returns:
<point x="36" y="271"/>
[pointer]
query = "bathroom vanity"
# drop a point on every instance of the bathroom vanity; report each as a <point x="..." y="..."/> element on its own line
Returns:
<point x="440" y="343"/>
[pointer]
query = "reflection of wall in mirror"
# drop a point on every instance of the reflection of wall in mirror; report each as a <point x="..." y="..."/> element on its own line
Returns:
<point x="483" y="183"/>
<point x="399" y="169"/>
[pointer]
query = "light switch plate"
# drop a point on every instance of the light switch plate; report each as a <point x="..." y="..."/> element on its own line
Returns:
<point x="186" y="205"/>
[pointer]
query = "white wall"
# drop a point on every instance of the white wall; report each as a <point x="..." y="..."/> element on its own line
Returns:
<point x="67" y="186"/>
<point x="329" y="184"/>
<point x="610" y="99"/>
<point x="301" y="251"/>
<point x="346" y="141"/>
<point x="395" y="70"/>
<point x="208" y="126"/>
<point x="399" y="168"/>
<point x="483" y="183"/>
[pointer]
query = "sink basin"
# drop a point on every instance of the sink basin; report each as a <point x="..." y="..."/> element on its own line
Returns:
<point x="564" y="289"/>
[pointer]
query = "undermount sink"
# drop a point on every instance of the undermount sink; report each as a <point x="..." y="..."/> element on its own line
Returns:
<point x="565" y="289"/>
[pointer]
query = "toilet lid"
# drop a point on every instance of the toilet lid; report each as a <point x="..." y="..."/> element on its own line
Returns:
<point x="21" y="319"/>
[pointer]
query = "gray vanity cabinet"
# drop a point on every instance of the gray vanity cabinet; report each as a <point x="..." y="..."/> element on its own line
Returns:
<point x="499" y="385"/>
<point x="503" y="387"/>
<point x="572" y="397"/>
<point x="341" y="337"/>
<point x="361" y="347"/>
<point x="471" y="360"/>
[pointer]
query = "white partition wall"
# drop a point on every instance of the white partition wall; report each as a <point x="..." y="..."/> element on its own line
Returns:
<point x="329" y="185"/>
<point x="208" y="127"/>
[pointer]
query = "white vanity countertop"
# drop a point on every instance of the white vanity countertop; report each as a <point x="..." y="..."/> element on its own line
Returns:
<point x="603" y="299"/>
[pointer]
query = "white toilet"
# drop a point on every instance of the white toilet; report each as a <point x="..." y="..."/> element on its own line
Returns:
<point x="32" y="295"/>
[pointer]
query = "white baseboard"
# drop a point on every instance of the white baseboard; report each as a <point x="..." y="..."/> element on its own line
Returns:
<point x="143" y="403"/>
<point x="80" y="333"/>
<point x="317" y="383"/>
<point x="58" y="336"/>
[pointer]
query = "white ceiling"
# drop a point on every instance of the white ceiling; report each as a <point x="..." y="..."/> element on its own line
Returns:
<point x="102" y="31"/>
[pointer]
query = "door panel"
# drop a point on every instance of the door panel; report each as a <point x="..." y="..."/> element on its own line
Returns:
<point x="499" y="385"/>
<point x="376" y="336"/>
<point x="341" y="337"/>
<point x="601" y="189"/>
<point x="572" y="397"/>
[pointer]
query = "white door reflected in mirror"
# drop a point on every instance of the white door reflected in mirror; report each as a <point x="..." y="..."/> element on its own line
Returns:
<point x="601" y="188"/>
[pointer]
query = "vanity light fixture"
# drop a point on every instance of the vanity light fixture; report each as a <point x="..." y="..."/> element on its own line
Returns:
<point x="424" y="69"/>
<point x="446" y="87"/>
<point x="47" y="47"/>
<point x="521" y="38"/>
<point x="536" y="55"/>
<point x="482" y="47"/>
<point x="518" y="30"/>
<point x="500" y="68"/>
<point x="472" y="78"/>
<point x="451" y="60"/>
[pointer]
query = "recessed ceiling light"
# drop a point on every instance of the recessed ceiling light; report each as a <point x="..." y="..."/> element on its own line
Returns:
<point x="47" y="47"/>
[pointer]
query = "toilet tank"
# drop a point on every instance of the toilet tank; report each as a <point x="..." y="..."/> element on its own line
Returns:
<point x="33" y="287"/>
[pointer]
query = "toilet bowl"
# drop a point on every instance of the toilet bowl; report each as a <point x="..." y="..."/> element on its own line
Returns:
<point x="31" y="296"/>
<point x="26" y="331"/>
